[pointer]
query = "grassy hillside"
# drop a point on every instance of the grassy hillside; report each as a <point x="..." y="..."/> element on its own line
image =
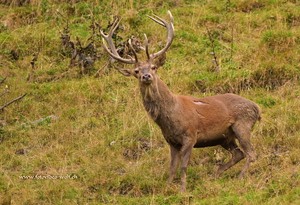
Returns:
<point x="80" y="139"/>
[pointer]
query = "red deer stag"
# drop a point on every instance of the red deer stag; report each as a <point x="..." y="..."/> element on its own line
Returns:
<point x="187" y="122"/>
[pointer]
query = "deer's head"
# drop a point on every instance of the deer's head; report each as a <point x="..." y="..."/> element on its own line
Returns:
<point x="144" y="71"/>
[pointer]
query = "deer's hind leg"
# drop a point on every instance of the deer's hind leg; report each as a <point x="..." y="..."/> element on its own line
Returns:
<point x="243" y="132"/>
<point x="237" y="155"/>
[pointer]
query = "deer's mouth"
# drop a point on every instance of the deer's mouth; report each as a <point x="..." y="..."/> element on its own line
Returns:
<point x="146" y="81"/>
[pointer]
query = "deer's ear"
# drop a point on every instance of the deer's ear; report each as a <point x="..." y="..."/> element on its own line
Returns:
<point x="125" y="72"/>
<point x="160" y="60"/>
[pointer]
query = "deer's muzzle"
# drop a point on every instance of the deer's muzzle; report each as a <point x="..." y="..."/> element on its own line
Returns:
<point x="147" y="78"/>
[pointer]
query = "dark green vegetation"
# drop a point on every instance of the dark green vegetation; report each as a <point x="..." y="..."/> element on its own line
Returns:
<point x="94" y="132"/>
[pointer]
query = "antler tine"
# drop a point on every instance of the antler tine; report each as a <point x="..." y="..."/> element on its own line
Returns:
<point x="158" y="20"/>
<point x="170" y="30"/>
<point x="115" y="26"/>
<point x="147" y="46"/>
<point x="161" y="21"/>
<point x="171" y="17"/>
<point x="134" y="53"/>
<point x="107" y="39"/>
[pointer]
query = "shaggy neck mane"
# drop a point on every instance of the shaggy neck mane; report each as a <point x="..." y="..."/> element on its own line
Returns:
<point x="157" y="98"/>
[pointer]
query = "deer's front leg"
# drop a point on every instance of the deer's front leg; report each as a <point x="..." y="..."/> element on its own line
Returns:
<point x="174" y="162"/>
<point x="186" y="151"/>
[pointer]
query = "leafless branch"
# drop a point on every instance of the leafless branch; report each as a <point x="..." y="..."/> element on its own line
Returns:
<point x="231" y="44"/>
<point x="213" y="52"/>
<point x="12" y="101"/>
<point x="101" y="70"/>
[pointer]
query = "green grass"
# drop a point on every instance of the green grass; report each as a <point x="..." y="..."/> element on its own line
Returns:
<point x="104" y="146"/>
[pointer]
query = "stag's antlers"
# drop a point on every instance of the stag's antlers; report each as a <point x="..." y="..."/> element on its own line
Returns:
<point x="170" y="30"/>
<point x="111" y="49"/>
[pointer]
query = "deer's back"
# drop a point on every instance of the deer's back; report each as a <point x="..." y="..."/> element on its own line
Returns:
<point x="239" y="107"/>
<point x="219" y="111"/>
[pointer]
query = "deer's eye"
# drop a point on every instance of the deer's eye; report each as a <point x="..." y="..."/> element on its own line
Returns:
<point x="153" y="67"/>
<point x="136" y="71"/>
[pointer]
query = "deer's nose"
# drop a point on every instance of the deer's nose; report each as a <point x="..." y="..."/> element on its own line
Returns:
<point x="146" y="77"/>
